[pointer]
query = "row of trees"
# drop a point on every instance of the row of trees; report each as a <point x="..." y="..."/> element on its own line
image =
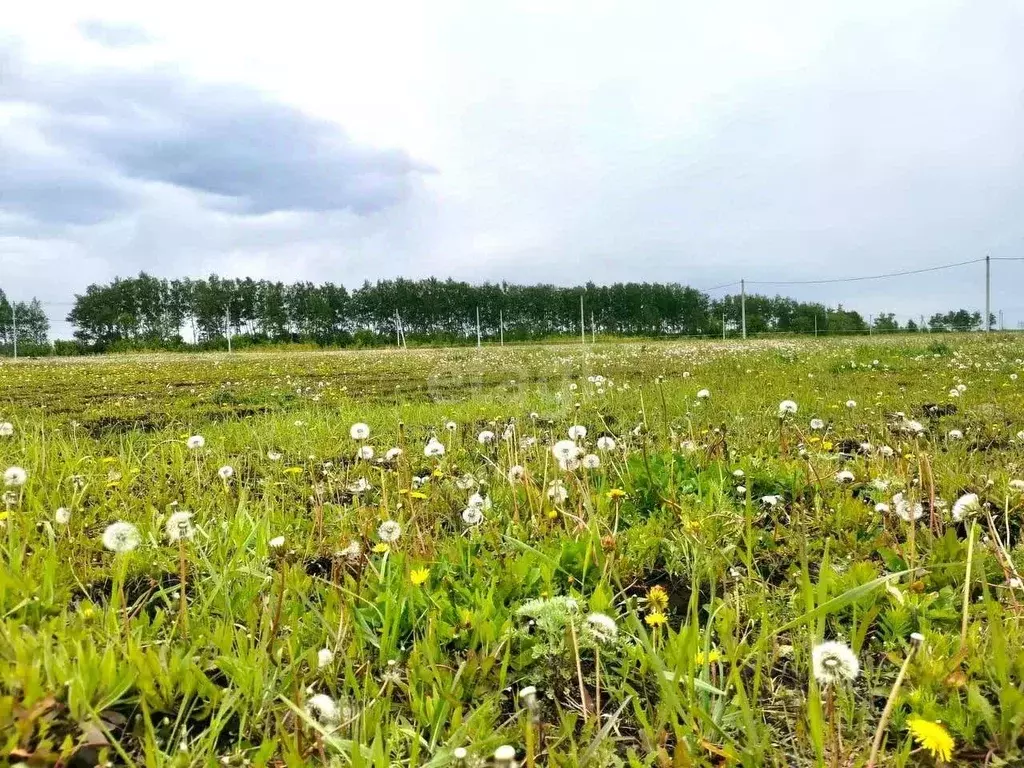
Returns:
<point x="153" y="312"/>
<point x="26" y="320"/>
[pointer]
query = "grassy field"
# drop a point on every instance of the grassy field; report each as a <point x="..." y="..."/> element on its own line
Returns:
<point x="672" y="554"/>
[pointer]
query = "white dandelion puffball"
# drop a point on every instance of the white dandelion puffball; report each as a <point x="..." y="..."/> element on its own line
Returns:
<point x="1020" y="435"/>
<point x="459" y="753"/>
<point x="703" y="394"/>
<point x="961" y="387"/>
<point x="817" y="424"/>
<point x="277" y="542"/>
<point x="882" y="508"/>
<point x="577" y="432"/>
<point x="226" y="472"/>
<point x="359" y="431"/>
<point x="787" y="407"/>
<point x="602" y="627"/>
<point x="15" y="477"/>
<point x="739" y="474"/>
<point x="886" y="452"/>
<point x="591" y="461"/>
<point x="389" y="531"/>
<point x="1017" y="485"/>
<point x="121" y="537"/>
<point x="606" y="443"/>
<point x="6" y="429"/>
<point x="770" y="501"/>
<point x="179" y="526"/>
<point x="834" y="663"/>
<point x="905" y="510"/>
<point x="62" y="516"/>
<point x="392" y="454"/>
<point x="323" y="709"/>
<point x="476" y="500"/>
<point x="506" y="753"/>
<point x="954" y="392"/>
<point x="851" y="403"/>
<point x="433" y="448"/>
<point x="966" y="506"/>
<point x="195" y="442"/>
<point x="465" y="482"/>
<point x="557" y="492"/>
<point x="359" y="486"/>
<point x="451" y="426"/>
<point x="324" y="657"/>
<point x="565" y="450"/>
<point x="274" y="455"/>
<point x="472" y="515"/>
<point x="955" y="434"/>
<point x="516" y="473"/>
<point x="365" y="452"/>
<point x="844" y="476"/>
<point x="485" y="438"/>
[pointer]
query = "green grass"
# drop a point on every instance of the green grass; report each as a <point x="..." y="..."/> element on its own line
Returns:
<point x="718" y="597"/>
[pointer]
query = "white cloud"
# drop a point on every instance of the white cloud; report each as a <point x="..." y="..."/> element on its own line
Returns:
<point x="664" y="141"/>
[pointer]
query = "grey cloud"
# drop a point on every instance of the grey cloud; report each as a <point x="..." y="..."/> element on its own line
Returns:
<point x="113" y="35"/>
<point x="231" y="143"/>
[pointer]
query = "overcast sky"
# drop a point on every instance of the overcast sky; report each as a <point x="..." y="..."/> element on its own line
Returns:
<point x="528" y="141"/>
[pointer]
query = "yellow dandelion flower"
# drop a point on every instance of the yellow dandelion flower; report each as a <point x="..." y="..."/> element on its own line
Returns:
<point x="655" y="619"/>
<point x="657" y="598"/>
<point x="933" y="736"/>
<point x="437" y="473"/>
<point x="380" y="548"/>
<point x="827" y="445"/>
<point x="552" y="513"/>
<point x="418" y="495"/>
<point x="616" y="493"/>
<point x="710" y="658"/>
<point x="419" y="576"/>
<point x="294" y="470"/>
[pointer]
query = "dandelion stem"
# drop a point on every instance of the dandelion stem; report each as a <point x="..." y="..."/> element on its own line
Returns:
<point x="278" y="607"/>
<point x="579" y="671"/>
<point x="182" y="577"/>
<point x="883" y="721"/>
<point x="967" y="584"/>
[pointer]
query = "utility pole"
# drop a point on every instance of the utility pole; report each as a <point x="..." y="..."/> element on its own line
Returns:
<point x="743" y="305"/>
<point x="1001" y="327"/>
<point x="227" y="325"/>
<point x="478" y="343"/>
<point x="398" y="330"/>
<point x="501" y="326"/>
<point x="870" y="323"/>
<point x="815" y="326"/>
<point x="593" y="330"/>
<point x="922" y="323"/>
<point x="14" y="327"/>
<point x="583" y="326"/>
<point x="723" y="326"/>
<point x="988" y="292"/>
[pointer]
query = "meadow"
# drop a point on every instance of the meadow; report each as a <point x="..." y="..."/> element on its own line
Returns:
<point x="770" y="553"/>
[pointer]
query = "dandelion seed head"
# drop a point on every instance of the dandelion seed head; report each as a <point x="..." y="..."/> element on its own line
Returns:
<point x="195" y="442"/>
<point x="833" y="662"/>
<point x="121" y="537"/>
<point x="62" y="516"/>
<point x="179" y="526"/>
<point x="226" y="472"/>
<point x="323" y="709"/>
<point x="15" y="477"/>
<point x="359" y="431"/>
<point x="602" y="627"/>
<point x="389" y="531"/>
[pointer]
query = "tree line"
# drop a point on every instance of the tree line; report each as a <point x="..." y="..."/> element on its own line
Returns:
<point x="26" y="321"/>
<point x="146" y="312"/>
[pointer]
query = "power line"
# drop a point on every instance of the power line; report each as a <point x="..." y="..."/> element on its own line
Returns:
<point x="865" y="277"/>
